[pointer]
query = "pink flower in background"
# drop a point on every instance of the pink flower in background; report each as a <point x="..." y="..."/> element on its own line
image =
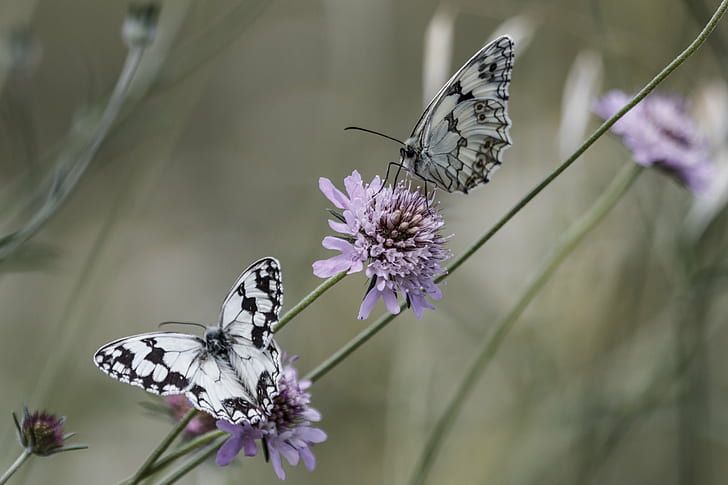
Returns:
<point x="660" y="133"/>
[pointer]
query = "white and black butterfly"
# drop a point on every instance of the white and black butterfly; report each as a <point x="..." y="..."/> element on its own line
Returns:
<point x="232" y="373"/>
<point x="459" y="139"/>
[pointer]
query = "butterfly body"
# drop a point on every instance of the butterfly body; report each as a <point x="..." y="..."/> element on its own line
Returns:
<point x="232" y="373"/>
<point x="459" y="139"/>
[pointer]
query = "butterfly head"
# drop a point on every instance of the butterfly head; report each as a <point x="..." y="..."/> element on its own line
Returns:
<point x="409" y="155"/>
<point x="216" y="341"/>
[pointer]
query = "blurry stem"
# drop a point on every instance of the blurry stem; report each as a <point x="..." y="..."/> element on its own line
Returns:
<point x="351" y="346"/>
<point x="65" y="177"/>
<point x="342" y="353"/>
<point x="15" y="466"/>
<point x="190" y="465"/>
<point x="152" y="458"/>
<point x="571" y="238"/>
<point x="307" y="300"/>
<point x="700" y="12"/>
<point x="183" y="450"/>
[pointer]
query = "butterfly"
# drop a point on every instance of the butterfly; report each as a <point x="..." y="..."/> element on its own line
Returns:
<point x="459" y="139"/>
<point x="232" y="373"/>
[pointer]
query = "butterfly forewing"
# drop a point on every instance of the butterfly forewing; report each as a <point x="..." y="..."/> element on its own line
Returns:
<point x="162" y="362"/>
<point x="460" y="137"/>
<point x="233" y="373"/>
<point x="254" y="302"/>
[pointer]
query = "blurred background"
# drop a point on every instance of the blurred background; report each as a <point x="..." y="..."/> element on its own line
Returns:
<point x="615" y="373"/>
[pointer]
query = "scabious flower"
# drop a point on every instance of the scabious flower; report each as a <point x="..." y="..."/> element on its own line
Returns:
<point x="178" y="406"/>
<point x="41" y="433"/>
<point x="660" y="132"/>
<point x="395" y="232"/>
<point x="287" y="432"/>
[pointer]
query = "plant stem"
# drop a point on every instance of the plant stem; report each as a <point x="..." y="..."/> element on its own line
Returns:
<point x="187" y="467"/>
<point x="342" y="353"/>
<point x="15" y="466"/>
<point x="351" y="346"/>
<point x="67" y="174"/>
<point x="307" y="300"/>
<point x="571" y="239"/>
<point x="183" y="450"/>
<point x="152" y="458"/>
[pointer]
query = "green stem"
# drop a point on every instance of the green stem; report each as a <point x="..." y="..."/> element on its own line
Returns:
<point x="340" y="355"/>
<point x="15" y="466"/>
<point x="310" y="298"/>
<point x="152" y="458"/>
<point x="183" y="450"/>
<point x="65" y="178"/>
<point x="351" y="346"/>
<point x="190" y="465"/>
<point x="571" y="239"/>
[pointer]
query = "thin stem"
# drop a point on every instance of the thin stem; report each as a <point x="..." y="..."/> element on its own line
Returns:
<point x="571" y="239"/>
<point x="342" y="353"/>
<point x="307" y="300"/>
<point x="15" y="466"/>
<point x="65" y="178"/>
<point x="351" y="346"/>
<point x="183" y="450"/>
<point x="152" y="458"/>
<point x="190" y="465"/>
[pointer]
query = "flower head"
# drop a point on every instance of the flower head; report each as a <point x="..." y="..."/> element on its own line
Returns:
<point x="287" y="431"/>
<point x="41" y="433"/>
<point x="660" y="132"/>
<point x="395" y="232"/>
<point x="178" y="406"/>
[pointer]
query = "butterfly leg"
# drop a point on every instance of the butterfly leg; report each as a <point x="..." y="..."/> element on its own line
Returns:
<point x="386" y="176"/>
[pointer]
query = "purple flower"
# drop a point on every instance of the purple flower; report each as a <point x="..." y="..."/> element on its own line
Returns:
<point x="241" y="436"/>
<point x="395" y="231"/>
<point x="41" y="433"/>
<point x="287" y="432"/>
<point x="179" y="406"/>
<point x="660" y="132"/>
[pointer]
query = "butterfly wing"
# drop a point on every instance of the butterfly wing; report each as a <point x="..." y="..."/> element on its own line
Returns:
<point x="177" y="363"/>
<point x="162" y="363"/>
<point x="458" y="141"/>
<point x="247" y="317"/>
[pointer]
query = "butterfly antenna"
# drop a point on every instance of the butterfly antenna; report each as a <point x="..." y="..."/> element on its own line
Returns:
<point x="374" y="133"/>
<point x="183" y="323"/>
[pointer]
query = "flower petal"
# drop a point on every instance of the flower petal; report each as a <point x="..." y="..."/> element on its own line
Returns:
<point x="370" y="300"/>
<point x="308" y="458"/>
<point x="229" y="450"/>
<point x="331" y="266"/>
<point x="390" y="301"/>
<point x="275" y="460"/>
<point x="340" y="227"/>
<point x="333" y="194"/>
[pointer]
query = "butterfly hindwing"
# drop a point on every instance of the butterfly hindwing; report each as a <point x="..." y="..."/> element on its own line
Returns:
<point x="459" y="139"/>
<point x="247" y="317"/>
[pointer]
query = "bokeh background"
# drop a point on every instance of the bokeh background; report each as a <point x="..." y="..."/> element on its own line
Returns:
<point x="616" y="373"/>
